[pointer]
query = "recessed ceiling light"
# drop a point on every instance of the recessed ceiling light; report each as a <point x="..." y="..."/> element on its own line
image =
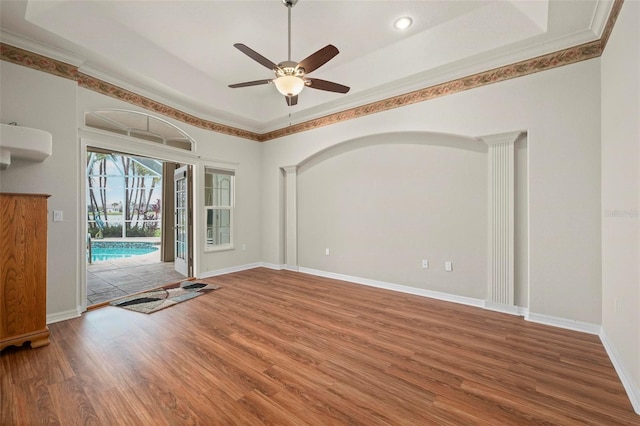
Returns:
<point x="403" y="23"/>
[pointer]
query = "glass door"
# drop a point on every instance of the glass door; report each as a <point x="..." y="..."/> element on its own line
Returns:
<point x="182" y="221"/>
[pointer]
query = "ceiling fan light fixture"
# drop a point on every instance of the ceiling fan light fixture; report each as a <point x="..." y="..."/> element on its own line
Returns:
<point x="291" y="76"/>
<point x="289" y="85"/>
<point x="402" y="23"/>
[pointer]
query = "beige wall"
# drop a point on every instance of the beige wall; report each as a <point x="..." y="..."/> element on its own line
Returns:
<point x="560" y="110"/>
<point x="382" y="204"/>
<point x="43" y="101"/>
<point x="621" y="192"/>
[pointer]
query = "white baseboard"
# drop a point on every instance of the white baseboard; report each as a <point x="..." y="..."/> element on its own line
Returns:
<point x="565" y="323"/>
<point x="273" y="266"/>
<point x="505" y="309"/>
<point x="396" y="287"/>
<point x="63" y="316"/>
<point x="229" y="270"/>
<point x="633" y="389"/>
<point x="568" y="324"/>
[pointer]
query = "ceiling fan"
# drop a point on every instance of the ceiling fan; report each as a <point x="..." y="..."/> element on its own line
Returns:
<point x="291" y="76"/>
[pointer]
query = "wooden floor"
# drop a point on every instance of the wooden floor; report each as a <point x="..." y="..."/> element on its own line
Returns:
<point x="282" y="348"/>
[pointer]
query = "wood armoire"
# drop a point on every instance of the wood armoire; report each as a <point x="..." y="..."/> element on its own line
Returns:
<point x="23" y="270"/>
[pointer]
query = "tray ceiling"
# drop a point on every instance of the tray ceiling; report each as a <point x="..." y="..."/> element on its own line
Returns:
<point x="181" y="52"/>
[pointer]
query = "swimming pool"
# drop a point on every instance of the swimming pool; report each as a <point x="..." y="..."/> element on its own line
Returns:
<point x="110" y="250"/>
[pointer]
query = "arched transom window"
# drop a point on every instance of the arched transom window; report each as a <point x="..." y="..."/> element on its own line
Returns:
<point x="140" y="125"/>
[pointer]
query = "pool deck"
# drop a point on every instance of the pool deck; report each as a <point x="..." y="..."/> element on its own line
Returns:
<point x="111" y="279"/>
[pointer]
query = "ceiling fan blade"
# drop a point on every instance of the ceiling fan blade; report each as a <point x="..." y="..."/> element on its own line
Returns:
<point x="249" y="83"/>
<point x="292" y="100"/>
<point x="329" y="86"/>
<point x="255" y="56"/>
<point x="318" y="59"/>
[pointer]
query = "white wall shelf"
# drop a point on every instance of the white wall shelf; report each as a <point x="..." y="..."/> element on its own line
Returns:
<point x="23" y="143"/>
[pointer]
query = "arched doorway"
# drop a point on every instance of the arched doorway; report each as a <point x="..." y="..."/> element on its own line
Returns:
<point x="135" y="197"/>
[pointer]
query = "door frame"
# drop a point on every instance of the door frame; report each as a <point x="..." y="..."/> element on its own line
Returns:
<point x="130" y="146"/>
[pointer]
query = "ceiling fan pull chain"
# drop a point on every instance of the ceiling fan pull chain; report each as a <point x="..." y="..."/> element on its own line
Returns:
<point x="289" y="14"/>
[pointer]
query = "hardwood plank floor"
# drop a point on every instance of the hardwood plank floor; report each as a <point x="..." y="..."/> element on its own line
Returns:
<point x="282" y="348"/>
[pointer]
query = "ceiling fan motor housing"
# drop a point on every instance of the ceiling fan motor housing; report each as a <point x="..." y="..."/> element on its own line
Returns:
<point x="289" y="68"/>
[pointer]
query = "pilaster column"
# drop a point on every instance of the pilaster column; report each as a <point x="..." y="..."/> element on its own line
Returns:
<point x="501" y="220"/>
<point x="291" y="218"/>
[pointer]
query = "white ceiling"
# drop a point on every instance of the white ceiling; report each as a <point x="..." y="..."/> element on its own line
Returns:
<point x="181" y="52"/>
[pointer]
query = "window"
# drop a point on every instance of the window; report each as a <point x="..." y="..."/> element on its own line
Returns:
<point x="218" y="204"/>
<point x="140" y="125"/>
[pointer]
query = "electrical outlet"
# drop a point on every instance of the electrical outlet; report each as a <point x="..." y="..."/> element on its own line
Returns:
<point x="326" y="252"/>
<point x="425" y="264"/>
<point x="448" y="266"/>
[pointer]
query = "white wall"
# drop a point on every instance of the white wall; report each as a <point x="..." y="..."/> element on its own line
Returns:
<point x="43" y="101"/>
<point x="382" y="204"/>
<point x="621" y="192"/>
<point x="560" y="109"/>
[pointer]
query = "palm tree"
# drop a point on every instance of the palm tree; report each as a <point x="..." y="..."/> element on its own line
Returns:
<point x="101" y="159"/>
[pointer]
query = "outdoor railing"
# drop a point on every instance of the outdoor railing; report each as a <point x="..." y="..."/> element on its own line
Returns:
<point x="89" y="248"/>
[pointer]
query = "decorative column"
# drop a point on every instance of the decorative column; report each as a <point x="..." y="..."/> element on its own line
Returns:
<point x="291" y="218"/>
<point x="501" y="221"/>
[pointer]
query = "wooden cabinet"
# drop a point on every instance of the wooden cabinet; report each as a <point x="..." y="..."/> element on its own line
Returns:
<point x="23" y="270"/>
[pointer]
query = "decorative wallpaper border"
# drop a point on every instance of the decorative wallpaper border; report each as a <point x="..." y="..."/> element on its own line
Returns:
<point x="568" y="56"/>
<point x="37" y="62"/>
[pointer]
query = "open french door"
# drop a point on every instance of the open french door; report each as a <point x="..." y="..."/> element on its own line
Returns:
<point x="183" y="221"/>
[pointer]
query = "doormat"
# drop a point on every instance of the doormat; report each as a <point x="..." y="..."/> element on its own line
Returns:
<point x="156" y="300"/>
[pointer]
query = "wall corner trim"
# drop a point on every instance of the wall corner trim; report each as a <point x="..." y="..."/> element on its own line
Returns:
<point x="633" y="389"/>
<point x="63" y="316"/>
<point x="463" y="300"/>
<point x="274" y="266"/>
<point x="568" y="324"/>
<point x="229" y="270"/>
<point x="504" y="308"/>
<point x="508" y="137"/>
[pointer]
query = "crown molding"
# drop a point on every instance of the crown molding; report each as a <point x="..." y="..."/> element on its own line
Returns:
<point x="68" y="68"/>
<point x="611" y="22"/>
<point x="601" y="14"/>
<point x="40" y="48"/>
